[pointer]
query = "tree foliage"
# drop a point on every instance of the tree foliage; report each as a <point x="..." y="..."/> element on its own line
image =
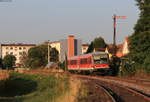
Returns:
<point x="54" y="55"/>
<point x="9" y="61"/>
<point x="0" y="63"/>
<point x="24" y="59"/>
<point x="38" y="56"/>
<point x="140" y="40"/>
<point x="96" y="43"/>
<point x="90" y="48"/>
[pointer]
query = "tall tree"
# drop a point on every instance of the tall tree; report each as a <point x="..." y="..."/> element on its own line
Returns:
<point x="90" y="48"/>
<point x="9" y="61"/>
<point x="54" y="55"/>
<point x="99" y="43"/>
<point x="96" y="43"/>
<point x="140" y="40"/>
<point x="37" y="56"/>
<point x="24" y="59"/>
<point x="0" y="63"/>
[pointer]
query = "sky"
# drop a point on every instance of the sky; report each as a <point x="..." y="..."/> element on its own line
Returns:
<point x="36" y="21"/>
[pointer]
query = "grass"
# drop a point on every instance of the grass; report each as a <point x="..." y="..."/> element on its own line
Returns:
<point x="83" y="93"/>
<point x="71" y="96"/>
<point x="33" y="88"/>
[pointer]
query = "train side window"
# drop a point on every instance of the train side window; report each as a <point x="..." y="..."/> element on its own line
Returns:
<point x="84" y="61"/>
<point x="73" y="62"/>
<point x="68" y="62"/>
<point x="89" y="60"/>
<point x="81" y="62"/>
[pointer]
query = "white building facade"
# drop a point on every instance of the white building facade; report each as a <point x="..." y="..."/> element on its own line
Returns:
<point x="15" y="49"/>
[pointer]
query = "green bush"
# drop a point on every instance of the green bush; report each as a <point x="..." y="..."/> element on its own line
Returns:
<point x="33" y="88"/>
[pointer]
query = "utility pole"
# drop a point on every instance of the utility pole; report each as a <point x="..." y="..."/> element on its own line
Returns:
<point x="66" y="62"/>
<point x="114" y="37"/>
<point x="115" y="27"/>
<point x="48" y="58"/>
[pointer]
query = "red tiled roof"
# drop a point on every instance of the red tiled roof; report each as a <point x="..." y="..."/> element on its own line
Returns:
<point x="85" y="44"/>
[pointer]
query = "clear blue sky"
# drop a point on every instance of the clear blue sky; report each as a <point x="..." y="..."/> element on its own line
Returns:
<point x="35" y="21"/>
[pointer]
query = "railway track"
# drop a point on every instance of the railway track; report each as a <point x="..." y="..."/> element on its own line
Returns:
<point x="142" y="81"/>
<point x="142" y="86"/>
<point x="132" y="80"/>
<point x="108" y="92"/>
<point x="121" y="92"/>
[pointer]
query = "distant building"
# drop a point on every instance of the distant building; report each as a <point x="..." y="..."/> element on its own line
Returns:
<point x="126" y="47"/>
<point x="110" y="50"/>
<point x="85" y="48"/>
<point x="15" y="49"/>
<point x="121" y="49"/>
<point x="69" y="47"/>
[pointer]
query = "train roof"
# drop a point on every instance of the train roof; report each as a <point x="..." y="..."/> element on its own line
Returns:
<point x="95" y="53"/>
<point x="89" y="54"/>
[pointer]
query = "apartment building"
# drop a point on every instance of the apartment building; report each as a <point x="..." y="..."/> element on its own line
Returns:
<point x="70" y="47"/>
<point x="15" y="49"/>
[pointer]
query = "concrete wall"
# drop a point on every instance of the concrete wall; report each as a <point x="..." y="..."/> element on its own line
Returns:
<point x="64" y="49"/>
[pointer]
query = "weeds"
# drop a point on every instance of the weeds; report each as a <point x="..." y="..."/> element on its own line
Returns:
<point x="33" y="88"/>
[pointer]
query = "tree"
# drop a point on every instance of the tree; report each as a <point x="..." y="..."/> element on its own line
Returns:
<point x="54" y="55"/>
<point x="24" y="59"/>
<point x="97" y="43"/>
<point x="37" y="56"/>
<point x="140" y="39"/>
<point x="9" y="61"/>
<point x="90" y="48"/>
<point x="0" y="63"/>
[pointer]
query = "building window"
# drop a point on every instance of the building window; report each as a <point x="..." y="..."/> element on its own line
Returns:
<point x="7" y="53"/>
<point x="23" y="52"/>
<point x="20" y="53"/>
<point x="11" y="48"/>
<point x="20" y="48"/>
<point x="11" y="53"/>
<point x="24" y="48"/>
<point x="15" y="55"/>
<point x="6" y="48"/>
<point x="84" y="48"/>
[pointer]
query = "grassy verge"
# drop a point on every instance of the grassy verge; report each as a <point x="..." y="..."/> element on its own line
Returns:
<point x="33" y="88"/>
<point x="83" y="93"/>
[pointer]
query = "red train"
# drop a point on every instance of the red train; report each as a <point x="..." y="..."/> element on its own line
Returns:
<point x="93" y="62"/>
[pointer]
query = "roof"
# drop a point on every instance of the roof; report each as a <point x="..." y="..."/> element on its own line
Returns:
<point x="19" y="44"/>
<point x="70" y="35"/>
<point x="54" y="42"/>
<point x="86" y="55"/>
<point x="85" y="44"/>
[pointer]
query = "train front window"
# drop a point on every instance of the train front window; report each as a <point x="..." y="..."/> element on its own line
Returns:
<point x="101" y="59"/>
